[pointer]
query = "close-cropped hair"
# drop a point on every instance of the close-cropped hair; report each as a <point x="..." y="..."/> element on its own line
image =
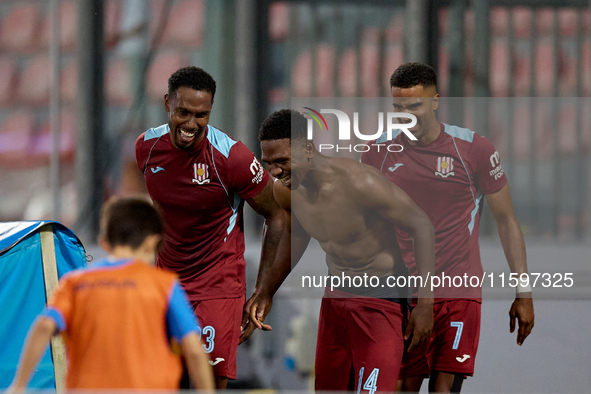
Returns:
<point x="285" y="123"/>
<point x="413" y="74"/>
<point x="191" y="77"/>
<point x="128" y="221"/>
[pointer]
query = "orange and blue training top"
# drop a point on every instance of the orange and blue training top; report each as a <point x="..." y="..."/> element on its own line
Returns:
<point x="118" y="318"/>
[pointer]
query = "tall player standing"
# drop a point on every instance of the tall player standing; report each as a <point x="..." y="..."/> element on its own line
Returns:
<point x="446" y="173"/>
<point x="201" y="177"/>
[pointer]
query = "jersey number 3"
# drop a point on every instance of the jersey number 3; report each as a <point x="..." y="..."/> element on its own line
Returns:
<point x="209" y="336"/>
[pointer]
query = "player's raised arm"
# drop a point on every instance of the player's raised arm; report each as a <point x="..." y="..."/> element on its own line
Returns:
<point x="35" y="345"/>
<point x="394" y="204"/>
<point x="511" y="236"/>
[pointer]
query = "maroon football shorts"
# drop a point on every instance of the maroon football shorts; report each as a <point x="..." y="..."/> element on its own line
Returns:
<point x="220" y="321"/>
<point x="453" y="344"/>
<point x="360" y="343"/>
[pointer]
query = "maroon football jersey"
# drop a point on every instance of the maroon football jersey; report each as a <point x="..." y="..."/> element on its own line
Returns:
<point x="202" y="193"/>
<point x="447" y="179"/>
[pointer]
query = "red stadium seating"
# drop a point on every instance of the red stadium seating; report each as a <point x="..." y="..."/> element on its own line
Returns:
<point x="348" y="73"/>
<point x="185" y="24"/>
<point x="587" y="68"/>
<point x="69" y="82"/>
<point x="443" y="72"/>
<point x="278" y="21"/>
<point x="395" y="31"/>
<point x="394" y="58"/>
<point x="544" y="68"/>
<point x="35" y="82"/>
<point x="521" y="21"/>
<point x="19" y="30"/>
<point x="160" y="70"/>
<point x="42" y="144"/>
<point x="544" y="21"/>
<point x="68" y="26"/>
<point x="15" y="140"/>
<point x="499" y="22"/>
<point x="498" y="68"/>
<point x="370" y="63"/>
<point x="521" y="72"/>
<point x="8" y="77"/>
<point x="118" y="87"/>
<point x="112" y="19"/>
<point x="301" y="75"/>
<point x="324" y="70"/>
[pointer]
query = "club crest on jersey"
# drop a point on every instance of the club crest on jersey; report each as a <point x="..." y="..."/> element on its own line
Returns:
<point x="445" y="167"/>
<point x="200" y="173"/>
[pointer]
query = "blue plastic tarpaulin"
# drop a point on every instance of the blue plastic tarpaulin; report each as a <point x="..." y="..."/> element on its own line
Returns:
<point x="22" y="290"/>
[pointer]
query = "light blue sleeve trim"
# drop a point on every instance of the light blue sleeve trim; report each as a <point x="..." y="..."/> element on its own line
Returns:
<point x="237" y="201"/>
<point x="180" y="318"/>
<point x="473" y="214"/>
<point x="156" y="132"/>
<point x="57" y="316"/>
<point x="220" y="140"/>
<point x="459" y="132"/>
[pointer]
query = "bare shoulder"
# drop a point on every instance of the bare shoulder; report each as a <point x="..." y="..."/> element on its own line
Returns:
<point x="282" y="194"/>
<point x="361" y="177"/>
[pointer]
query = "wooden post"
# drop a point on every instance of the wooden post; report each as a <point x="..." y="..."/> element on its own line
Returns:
<point x="58" y="349"/>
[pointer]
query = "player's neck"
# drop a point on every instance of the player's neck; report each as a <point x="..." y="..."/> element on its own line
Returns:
<point x="319" y="172"/>
<point x="430" y="136"/>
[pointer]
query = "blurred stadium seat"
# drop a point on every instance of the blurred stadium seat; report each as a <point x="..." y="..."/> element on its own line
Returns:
<point x="568" y="22"/>
<point x="499" y="22"/>
<point x="20" y="28"/>
<point x="301" y="75"/>
<point x="278" y="21"/>
<point x="521" y="22"/>
<point x="8" y="79"/>
<point x="67" y="27"/>
<point x="160" y="70"/>
<point x="15" y="139"/>
<point x="69" y="82"/>
<point x="42" y="144"/>
<point x="370" y="63"/>
<point x="498" y="68"/>
<point x="112" y="16"/>
<point x="324" y="70"/>
<point x="544" y="67"/>
<point x="35" y="82"/>
<point x="185" y="25"/>
<point x="394" y="58"/>
<point x="118" y="83"/>
<point x="348" y="73"/>
<point x="544" y="21"/>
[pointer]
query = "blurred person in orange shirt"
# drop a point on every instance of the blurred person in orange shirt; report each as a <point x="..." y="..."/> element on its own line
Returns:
<point x="123" y="320"/>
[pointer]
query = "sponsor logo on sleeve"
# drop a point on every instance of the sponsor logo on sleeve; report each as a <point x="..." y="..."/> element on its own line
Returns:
<point x="495" y="162"/>
<point x="257" y="171"/>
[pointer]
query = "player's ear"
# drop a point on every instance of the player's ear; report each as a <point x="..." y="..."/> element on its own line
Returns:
<point x="151" y="244"/>
<point x="166" y="104"/>
<point x="104" y="244"/>
<point x="435" y="104"/>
